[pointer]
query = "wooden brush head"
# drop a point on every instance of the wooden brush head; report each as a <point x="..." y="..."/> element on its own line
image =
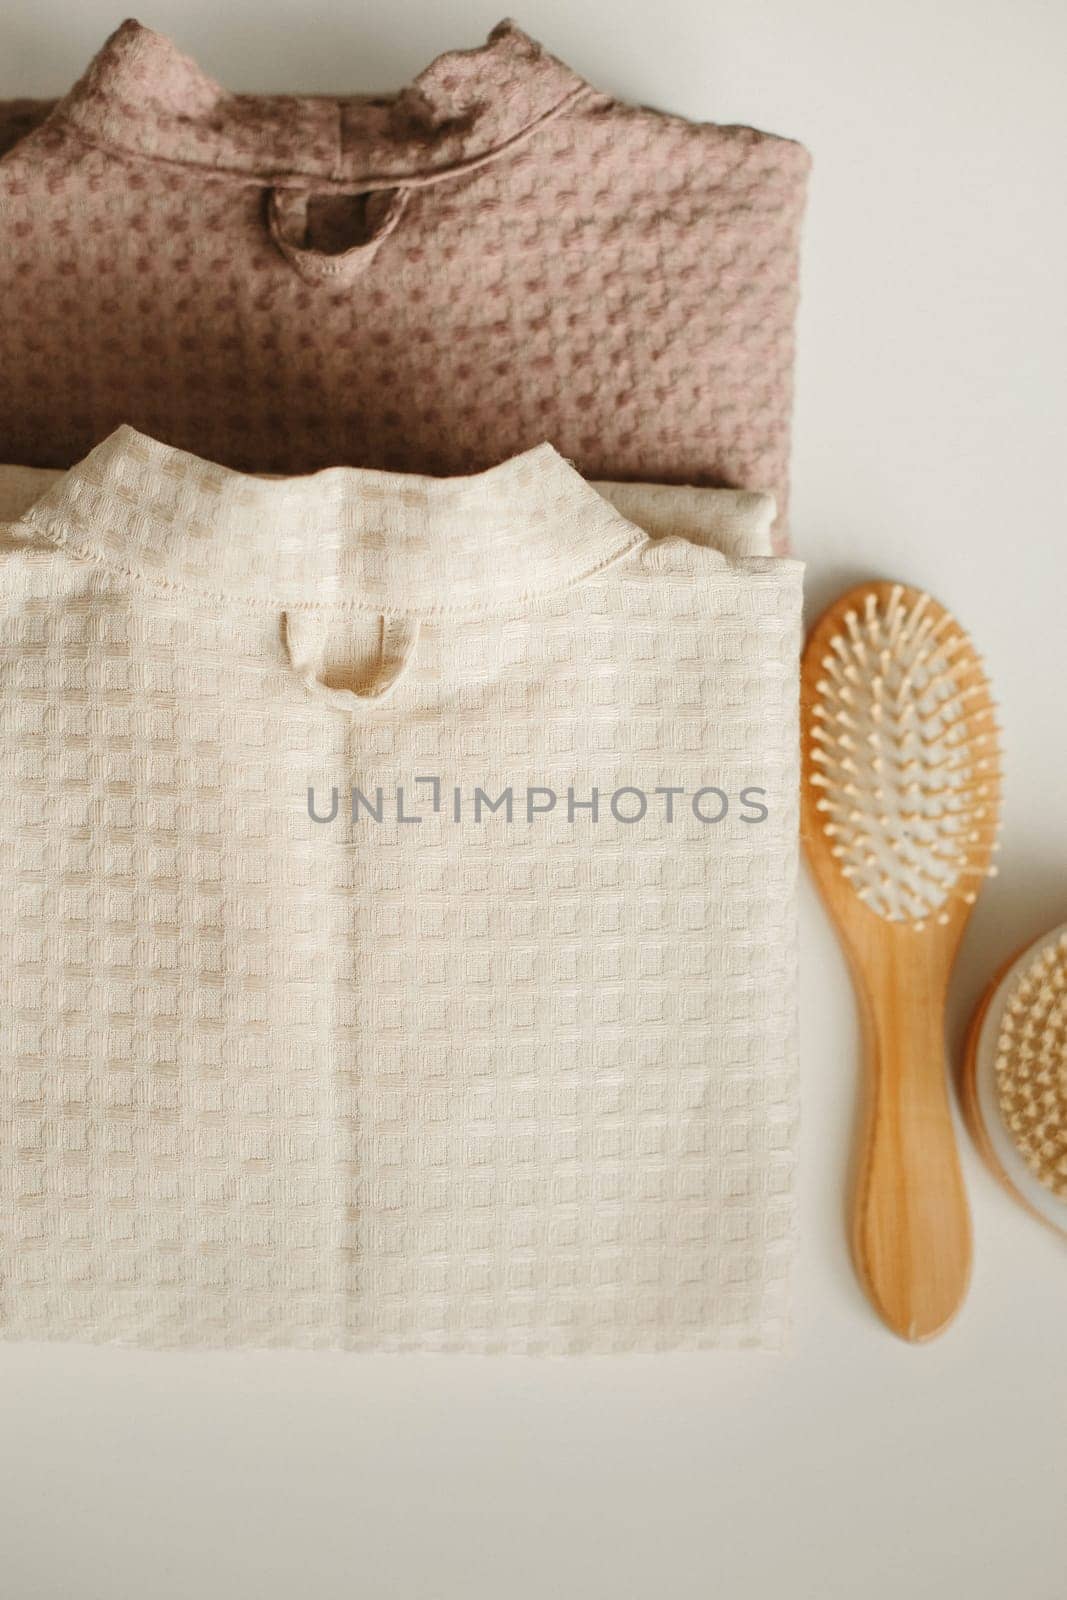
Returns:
<point x="1015" y="1077"/>
<point x="901" y="781"/>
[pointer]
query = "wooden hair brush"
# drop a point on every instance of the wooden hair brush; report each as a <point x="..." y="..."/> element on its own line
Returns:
<point x="900" y="806"/>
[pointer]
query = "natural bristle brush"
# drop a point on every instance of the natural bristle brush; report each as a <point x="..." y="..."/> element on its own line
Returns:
<point x="1015" y="1077"/>
<point x="900" y="809"/>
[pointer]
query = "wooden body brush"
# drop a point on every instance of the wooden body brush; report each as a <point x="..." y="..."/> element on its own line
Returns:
<point x="1014" y="1081"/>
<point x="900" y="804"/>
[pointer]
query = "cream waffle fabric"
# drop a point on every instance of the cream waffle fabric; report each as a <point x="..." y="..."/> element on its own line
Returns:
<point x="498" y="1083"/>
<point x="735" y="521"/>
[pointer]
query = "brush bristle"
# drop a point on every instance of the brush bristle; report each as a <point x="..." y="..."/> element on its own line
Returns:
<point x="1031" y="1065"/>
<point x="904" y="755"/>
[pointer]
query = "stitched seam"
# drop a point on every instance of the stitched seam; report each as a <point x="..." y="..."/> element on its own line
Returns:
<point x="60" y="536"/>
<point x="301" y="180"/>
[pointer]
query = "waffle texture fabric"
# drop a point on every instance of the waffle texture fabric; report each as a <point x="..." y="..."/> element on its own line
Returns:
<point x="503" y="252"/>
<point x="489" y="1080"/>
<point x="736" y="521"/>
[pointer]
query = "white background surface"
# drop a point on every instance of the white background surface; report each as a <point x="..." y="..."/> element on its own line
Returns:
<point x="930" y="445"/>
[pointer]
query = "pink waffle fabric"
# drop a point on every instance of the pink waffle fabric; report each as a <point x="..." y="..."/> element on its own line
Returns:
<point x="431" y="281"/>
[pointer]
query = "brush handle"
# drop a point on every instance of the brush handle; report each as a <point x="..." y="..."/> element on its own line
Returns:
<point x="912" y="1228"/>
